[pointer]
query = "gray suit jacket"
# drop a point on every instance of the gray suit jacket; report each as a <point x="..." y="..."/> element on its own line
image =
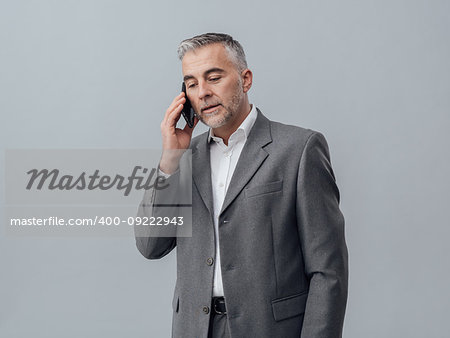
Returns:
<point x="283" y="252"/>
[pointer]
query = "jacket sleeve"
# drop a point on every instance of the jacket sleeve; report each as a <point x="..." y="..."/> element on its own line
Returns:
<point x="321" y="231"/>
<point x="156" y="203"/>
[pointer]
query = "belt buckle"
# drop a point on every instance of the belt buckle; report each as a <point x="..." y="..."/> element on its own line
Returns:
<point x="216" y="300"/>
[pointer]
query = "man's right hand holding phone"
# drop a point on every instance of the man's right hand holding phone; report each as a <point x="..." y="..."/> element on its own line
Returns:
<point x="175" y="140"/>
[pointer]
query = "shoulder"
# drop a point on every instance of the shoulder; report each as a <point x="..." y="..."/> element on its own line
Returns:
<point x="287" y="135"/>
<point x="308" y="146"/>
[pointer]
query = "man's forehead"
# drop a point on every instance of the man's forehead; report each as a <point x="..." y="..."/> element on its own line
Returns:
<point x="206" y="57"/>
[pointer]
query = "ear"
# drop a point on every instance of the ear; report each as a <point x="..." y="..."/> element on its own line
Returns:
<point x="247" y="79"/>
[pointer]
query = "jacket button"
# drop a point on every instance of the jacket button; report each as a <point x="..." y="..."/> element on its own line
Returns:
<point x="210" y="261"/>
<point x="206" y="310"/>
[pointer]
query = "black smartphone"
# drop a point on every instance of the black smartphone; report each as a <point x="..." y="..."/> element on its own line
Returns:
<point x="187" y="112"/>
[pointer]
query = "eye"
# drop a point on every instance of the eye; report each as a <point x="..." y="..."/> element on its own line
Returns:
<point x="214" y="78"/>
<point x="191" y="85"/>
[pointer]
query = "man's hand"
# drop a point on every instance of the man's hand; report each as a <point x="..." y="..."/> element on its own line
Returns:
<point x="175" y="140"/>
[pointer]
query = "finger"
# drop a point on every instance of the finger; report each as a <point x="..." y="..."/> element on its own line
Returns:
<point x="174" y="116"/>
<point x="175" y="105"/>
<point x="175" y="102"/>
<point x="179" y="97"/>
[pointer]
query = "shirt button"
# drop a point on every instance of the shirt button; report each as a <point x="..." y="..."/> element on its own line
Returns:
<point x="210" y="261"/>
<point x="221" y="185"/>
<point x="206" y="310"/>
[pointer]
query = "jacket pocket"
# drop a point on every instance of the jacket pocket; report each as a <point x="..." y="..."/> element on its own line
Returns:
<point x="287" y="307"/>
<point x="264" y="189"/>
<point x="175" y="302"/>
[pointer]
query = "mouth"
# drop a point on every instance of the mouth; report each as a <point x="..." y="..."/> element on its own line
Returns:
<point x="210" y="109"/>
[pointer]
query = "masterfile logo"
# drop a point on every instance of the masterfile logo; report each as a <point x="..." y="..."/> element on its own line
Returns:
<point x="53" y="179"/>
<point x="94" y="192"/>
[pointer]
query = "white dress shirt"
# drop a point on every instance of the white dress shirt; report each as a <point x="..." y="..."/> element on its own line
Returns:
<point x="223" y="162"/>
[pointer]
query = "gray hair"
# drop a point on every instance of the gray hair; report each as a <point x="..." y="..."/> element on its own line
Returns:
<point x="233" y="47"/>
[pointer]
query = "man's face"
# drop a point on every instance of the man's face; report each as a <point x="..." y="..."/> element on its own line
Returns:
<point x="213" y="85"/>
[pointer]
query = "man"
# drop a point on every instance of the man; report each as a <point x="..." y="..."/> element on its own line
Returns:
<point x="267" y="256"/>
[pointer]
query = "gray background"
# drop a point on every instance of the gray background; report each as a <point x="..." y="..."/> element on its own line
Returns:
<point x="373" y="76"/>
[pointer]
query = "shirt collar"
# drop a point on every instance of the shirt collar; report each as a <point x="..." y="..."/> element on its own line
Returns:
<point x="245" y="126"/>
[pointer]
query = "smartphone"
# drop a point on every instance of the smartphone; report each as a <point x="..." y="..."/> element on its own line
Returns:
<point x="187" y="112"/>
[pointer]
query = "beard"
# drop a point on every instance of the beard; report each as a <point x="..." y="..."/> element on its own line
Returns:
<point x="223" y="113"/>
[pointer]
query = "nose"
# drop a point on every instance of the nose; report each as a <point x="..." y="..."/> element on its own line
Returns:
<point x="204" y="91"/>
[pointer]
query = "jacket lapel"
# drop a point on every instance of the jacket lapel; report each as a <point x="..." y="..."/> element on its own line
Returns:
<point x="251" y="158"/>
<point x="201" y="172"/>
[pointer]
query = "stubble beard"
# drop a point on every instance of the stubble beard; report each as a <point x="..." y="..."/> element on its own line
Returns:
<point x="218" y="119"/>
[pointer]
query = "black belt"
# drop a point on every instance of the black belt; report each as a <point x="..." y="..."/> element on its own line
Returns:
<point x="218" y="306"/>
